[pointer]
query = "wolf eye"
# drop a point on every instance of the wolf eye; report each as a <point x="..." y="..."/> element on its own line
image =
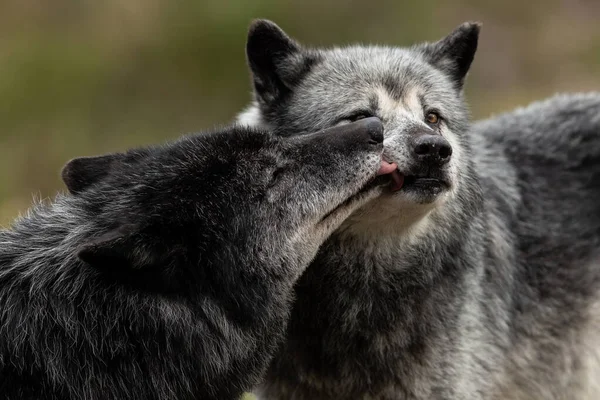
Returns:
<point x="432" y="118"/>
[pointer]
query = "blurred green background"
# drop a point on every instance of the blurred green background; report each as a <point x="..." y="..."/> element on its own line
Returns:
<point x="82" y="77"/>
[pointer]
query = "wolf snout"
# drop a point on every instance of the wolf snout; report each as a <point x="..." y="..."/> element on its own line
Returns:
<point x="432" y="149"/>
<point x="363" y="133"/>
<point x="373" y="129"/>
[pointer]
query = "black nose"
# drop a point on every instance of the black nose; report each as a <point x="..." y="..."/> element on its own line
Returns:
<point x="366" y="130"/>
<point x="372" y="127"/>
<point x="363" y="133"/>
<point x="433" y="149"/>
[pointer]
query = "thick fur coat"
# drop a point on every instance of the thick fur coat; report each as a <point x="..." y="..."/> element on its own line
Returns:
<point x="473" y="278"/>
<point x="167" y="272"/>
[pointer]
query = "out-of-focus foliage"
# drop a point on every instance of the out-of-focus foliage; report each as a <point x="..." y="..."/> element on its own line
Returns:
<point x="86" y="77"/>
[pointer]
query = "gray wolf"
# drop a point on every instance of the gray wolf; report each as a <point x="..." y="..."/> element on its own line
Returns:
<point x="476" y="275"/>
<point x="167" y="272"/>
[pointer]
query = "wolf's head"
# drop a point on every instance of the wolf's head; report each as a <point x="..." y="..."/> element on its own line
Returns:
<point x="234" y="197"/>
<point x="416" y="92"/>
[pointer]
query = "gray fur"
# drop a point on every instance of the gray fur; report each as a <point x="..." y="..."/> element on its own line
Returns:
<point x="168" y="272"/>
<point x="487" y="290"/>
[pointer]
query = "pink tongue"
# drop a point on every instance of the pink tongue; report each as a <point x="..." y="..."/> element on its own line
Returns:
<point x="397" y="181"/>
<point x="386" y="168"/>
<point x="392" y="169"/>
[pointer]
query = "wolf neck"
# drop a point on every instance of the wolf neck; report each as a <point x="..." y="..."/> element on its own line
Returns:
<point x="416" y="243"/>
<point x="428" y="230"/>
<point x="415" y="278"/>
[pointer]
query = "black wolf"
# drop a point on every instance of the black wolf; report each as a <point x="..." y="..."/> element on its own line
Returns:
<point x="167" y="273"/>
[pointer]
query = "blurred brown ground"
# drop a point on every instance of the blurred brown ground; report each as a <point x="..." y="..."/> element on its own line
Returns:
<point x="86" y="77"/>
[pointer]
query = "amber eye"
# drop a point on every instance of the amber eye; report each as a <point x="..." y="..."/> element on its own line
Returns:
<point x="432" y="118"/>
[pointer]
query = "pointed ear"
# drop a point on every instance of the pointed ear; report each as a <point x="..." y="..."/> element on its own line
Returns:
<point x="455" y="53"/>
<point x="119" y="247"/>
<point x="83" y="172"/>
<point x="277" y="62"/>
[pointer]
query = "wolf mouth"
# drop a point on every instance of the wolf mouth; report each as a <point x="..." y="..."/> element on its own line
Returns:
<point x="424" y="181"/>
<point x="400" y="181"/>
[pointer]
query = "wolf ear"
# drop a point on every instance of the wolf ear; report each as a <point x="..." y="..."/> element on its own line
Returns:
<point x="80" y="173"/>
<point x="455" y="53"/>
<point x="117" y="248"/>
<point x="277" y="62"/>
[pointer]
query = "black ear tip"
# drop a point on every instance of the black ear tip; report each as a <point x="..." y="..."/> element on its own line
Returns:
<point x="261" y="23"/>
<point x="65" y="173"/>
<point x="82" y="172"/>
<point x="69" y="166"/>
<point x="70" y="176"/>
<point x="471" y="28"/>
<point x="267" y="41"/>
<point x="260" y="27"/>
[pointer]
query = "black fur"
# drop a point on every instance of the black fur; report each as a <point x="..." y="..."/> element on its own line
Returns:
<point x="81" y="172"/>
<point x="454" y="53"/>
<point x="276" y="62"/>
<point x="169" y="274"/>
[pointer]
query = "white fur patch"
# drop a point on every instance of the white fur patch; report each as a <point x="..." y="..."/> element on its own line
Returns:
<point x="251" y="116"/>
<point x="409" y="106"/>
